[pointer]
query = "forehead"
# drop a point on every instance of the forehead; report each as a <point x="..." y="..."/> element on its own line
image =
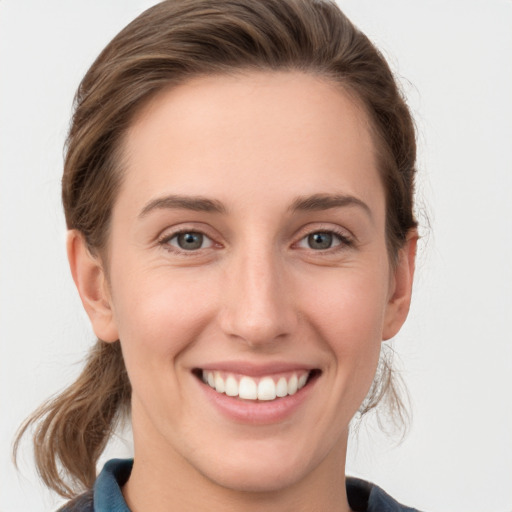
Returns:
<point x="248" y="133"/>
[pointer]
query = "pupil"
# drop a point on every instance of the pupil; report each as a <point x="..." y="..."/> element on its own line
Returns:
<point x="320" y="240"/>
<point x="189" y="241"/>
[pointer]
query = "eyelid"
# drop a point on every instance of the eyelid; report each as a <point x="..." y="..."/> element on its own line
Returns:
<point x="345" y="237"/>
<point x="206" y="238"/>
<point x="337" y="241"/>
<point x="169" y="233"/>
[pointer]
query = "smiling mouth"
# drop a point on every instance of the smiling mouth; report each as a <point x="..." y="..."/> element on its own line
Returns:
<point x="265" y="388"/>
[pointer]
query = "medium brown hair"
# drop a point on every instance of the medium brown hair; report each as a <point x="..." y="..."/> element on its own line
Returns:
<point x="166" y="45"/>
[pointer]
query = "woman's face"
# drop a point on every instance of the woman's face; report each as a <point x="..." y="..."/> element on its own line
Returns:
<point x="247" y="249"/>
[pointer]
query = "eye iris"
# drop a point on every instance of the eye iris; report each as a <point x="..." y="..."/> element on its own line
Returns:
<point x="190" y="241"/>
<point x="320" y="240"/>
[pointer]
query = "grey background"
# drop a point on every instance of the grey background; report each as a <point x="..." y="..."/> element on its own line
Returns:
<point x="454" y="61"/>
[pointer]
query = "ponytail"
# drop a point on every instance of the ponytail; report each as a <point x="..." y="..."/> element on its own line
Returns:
<point x="72" y="429"/>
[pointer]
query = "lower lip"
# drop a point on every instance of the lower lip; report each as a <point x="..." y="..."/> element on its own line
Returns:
<point x="255" y="411"/>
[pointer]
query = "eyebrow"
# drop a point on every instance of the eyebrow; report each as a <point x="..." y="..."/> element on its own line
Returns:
<point x="315" y="202"/>
<point x="319" y="202"/>
<point x="194" y="203"/>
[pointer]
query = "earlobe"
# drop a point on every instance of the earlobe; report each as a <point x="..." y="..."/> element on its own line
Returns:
<point x="401" y="287"/>
<point x="92" y="285"/>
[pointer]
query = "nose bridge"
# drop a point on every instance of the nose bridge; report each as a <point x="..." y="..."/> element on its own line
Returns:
<point x="258" y="308"/>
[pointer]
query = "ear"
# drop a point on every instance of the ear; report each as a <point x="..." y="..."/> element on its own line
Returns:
<point x="92" y="285"/>
<point x="401" y="287"/>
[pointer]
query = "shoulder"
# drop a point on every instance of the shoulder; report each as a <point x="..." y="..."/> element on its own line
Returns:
<point x="367" y="497"/>
<point x="82" y="503"/>
<point x="107" y="494"/>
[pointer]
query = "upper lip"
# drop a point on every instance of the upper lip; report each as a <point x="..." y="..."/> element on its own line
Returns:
<point x="252" y="369"/>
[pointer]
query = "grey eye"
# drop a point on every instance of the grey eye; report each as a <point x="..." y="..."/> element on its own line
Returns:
<point x="321" y="241"/>
<point x="190" y="241"/>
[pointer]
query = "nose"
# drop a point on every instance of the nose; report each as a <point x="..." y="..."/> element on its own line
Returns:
<point x="258" y="299"/>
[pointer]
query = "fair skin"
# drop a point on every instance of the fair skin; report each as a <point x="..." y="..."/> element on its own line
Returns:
<point x="284" y="272"/>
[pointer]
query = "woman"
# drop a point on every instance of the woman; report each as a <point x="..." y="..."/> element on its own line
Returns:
<point x="238" y="190"/>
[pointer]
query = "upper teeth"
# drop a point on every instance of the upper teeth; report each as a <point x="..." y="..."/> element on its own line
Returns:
<point x="248" y="388"/>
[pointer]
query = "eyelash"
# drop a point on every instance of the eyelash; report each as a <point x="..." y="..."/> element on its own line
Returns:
<point x="344" y="241"/>
<point x="165" y="240"/>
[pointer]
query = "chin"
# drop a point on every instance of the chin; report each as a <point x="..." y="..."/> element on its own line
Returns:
<point x="257" y="479"/>
<point x="264" y="469"/>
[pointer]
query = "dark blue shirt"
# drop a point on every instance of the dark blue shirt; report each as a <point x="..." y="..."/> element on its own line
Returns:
<point x="107" y="496"/>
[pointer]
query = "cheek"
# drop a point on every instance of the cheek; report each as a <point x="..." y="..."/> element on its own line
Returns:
<point x="344" y="311"/>
<point x="159" y="312"/>
<point x="347" y="306"/>
<point x="347" y="311"/>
